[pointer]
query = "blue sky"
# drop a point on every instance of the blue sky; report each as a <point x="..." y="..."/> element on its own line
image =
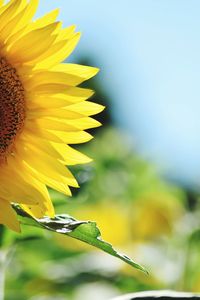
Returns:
<point x="149" y="55"/>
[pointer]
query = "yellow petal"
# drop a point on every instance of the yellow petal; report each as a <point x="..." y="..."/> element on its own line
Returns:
<point x="39" y="23"/>
<point x="59" y="113"/>
<point x="46" y="165"/>
<point x="33" y="43"/>
<point x="71" y="156"/>
<point x="42" y="144"/>
<point x="45" y="20"/>
<point x="61" y="54"/>
<point x="48" y="135"/>
<point x="9" y="28"/>
<point x="52" y="77"/>
<point x="55" y="124"/>
<point x="9" y="11"/>
<point x="47" y="102"/>
<point x="83" y="72"/>
<point x="25" y="189"/>
<point x="62" y="74"/>
<point x="66" y="33"/>
<point x="37" y="211"/>
<point x="86" y="108"/>
<point x="84" y="123"/>
<point x="70" y="93"/>
<point x="72" y="137"/>
<point x="21" y="19"/>
<point x="8" y="216"/>
<point x="75" y="111"/>
<point x="34" y="211"/>
<point x="57" y="185"/>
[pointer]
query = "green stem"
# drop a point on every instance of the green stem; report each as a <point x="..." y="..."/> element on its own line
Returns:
<point x="3" y="255"/>
<point x="2" y="230"/>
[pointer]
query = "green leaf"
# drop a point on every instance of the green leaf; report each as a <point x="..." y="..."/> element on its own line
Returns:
<point x="85" y="231"/>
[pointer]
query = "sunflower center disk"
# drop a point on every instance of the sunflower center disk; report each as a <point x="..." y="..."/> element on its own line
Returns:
<point x="12" y="108"/>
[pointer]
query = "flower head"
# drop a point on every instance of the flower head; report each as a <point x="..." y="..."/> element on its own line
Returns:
<point x="42" y="111"/>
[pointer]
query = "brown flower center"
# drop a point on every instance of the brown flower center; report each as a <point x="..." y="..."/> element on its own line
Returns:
<point x="12" y="108"/>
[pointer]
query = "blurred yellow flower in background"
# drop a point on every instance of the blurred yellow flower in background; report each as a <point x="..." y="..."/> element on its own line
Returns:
<point x="111" y="218"/>
<point x="154" y="214"/>
<point x="41" y="108"/>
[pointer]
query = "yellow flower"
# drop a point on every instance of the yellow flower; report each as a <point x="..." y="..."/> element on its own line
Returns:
<point x="42" y="110"/>
<point x="155" y="214"/>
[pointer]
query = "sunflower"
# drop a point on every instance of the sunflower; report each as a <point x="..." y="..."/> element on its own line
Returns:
<point x="42" y="111"/>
